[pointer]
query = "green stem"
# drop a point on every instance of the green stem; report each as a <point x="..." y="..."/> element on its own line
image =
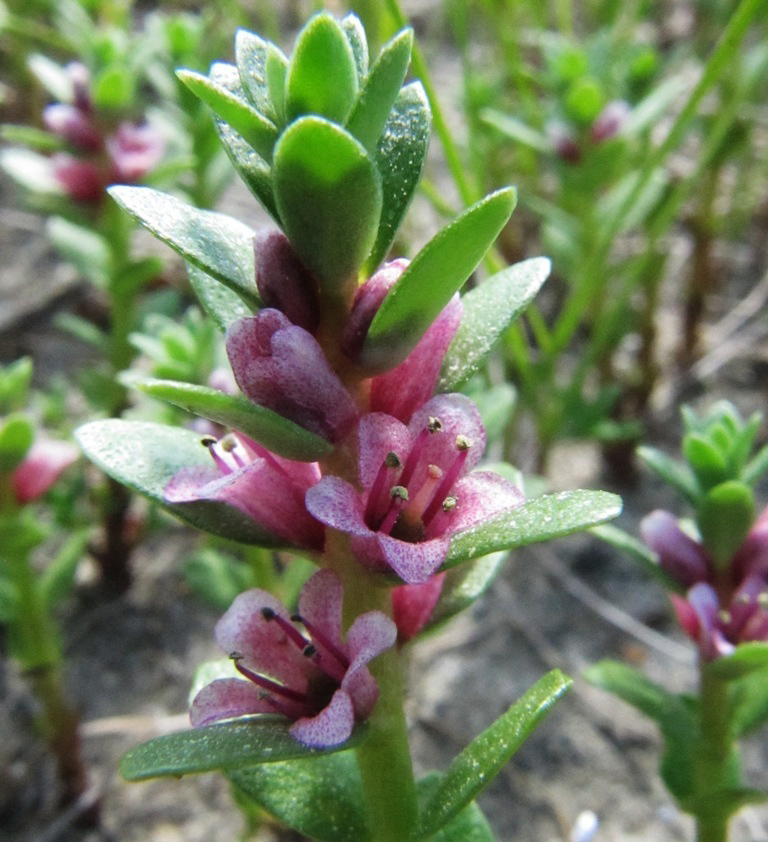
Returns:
<point x="714" y="758"/>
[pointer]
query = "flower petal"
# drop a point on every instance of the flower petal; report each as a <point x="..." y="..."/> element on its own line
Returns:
<point x="413" y="563"/>
<point x="320" y="603"/>
<point x="378" y="435"/>
<point x="680" y="556"/>
<point x="334" y="502"/>
<point x="227" y="698"/>
<point x="412" y="606"/>
<point x="44" y="463"/>
<point x="331" y="727"/>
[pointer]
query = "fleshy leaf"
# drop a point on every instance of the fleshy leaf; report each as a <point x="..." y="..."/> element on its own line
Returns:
<point x="470" y="825"/>
<point x="321" y="797"/>
<point x="480" y="762"/>
<point x="355" y="34"/>
<point x="670" y="470"/>
<point x="255" y="128"/>
<point x="749" y="697"/>
<point x="251" y="59"/>
<point x="489" y="310"/>
<point x="465" y="584"/>
<point x="374" y="104"/>
<point x="218" y="244"/>
<point x="221" y="304"/>
<point x="541" y="519"/>
<point x="144" y="456"/>
<point x="276" y="433"/>
<point x="632" y="687"/>
<point x="400" y="158"/>
<point x="230" y="745"/>
<point x="431" y="279"/>
<point x="328" y="194"/>
<point x="322" y="74"/>
<point x="639" y="551"/>
<point x="747" y="658"/>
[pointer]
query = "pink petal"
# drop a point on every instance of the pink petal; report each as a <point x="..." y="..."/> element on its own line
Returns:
<point x="320" y="603"/>
<point x="264" y="646"/>
<point x="44" y="463"/>
<point x="82" y="179"/>
<point x="227" y="698"/>
<point x="412" y="605"/>
<point x="751" y="559"/>
<point x="368" y="636"/>
<point x="73" y="125"/>
<point x="331" y="727"/>
<point x="680" y="556"/>
<point x="401" y="391"/>
<point x="480" y="496"/>
<point x="413" y="563"/>
<point x="334" y="502"/>
<point x="378" y="435"/>
<point x="362" y="688"/>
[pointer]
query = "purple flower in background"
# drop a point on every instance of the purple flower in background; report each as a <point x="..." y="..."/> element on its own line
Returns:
<point x="134" y="151"/>
<point x="282" y="367"/>
<point x="417" y="488"/>
<point x="718" y="629"/>
<point x="262" y="485"/>
<point x="44" y="463"/>
<point x="609" y="121"/>
<point x="314" y="678"/>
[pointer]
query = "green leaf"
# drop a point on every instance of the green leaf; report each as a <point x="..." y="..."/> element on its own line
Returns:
<point x="258" y="131"/>
<point x="756" y="467"/>
<point x="706" y="461"/>
<point x="400" y="157"/>
<point x="724" y="518"/>
<point x="58" y="577"/>
<point x="517" y="130"/>
<point x="136" y="276"/>
<point x="489" y="310"/>
<point x="226" y="746"/>
<point x="470" y="825"/>
<point x="31" y="171"/>
<point x="30" y="137"/>
<point x="671" y="471"/>
<point x="373" y="106"/>
<point x="17" y="432"/>
<point x="145" y="456"/>
<point x="747" y="658"/>
<point x="541" y="519"/>
<point x="113" y="89"/>
<point x="749" y="700"/>
<point x="276" y="433"/>
<point x="465" y="584"/>
<point x="639" y="551"/>
<point x="488" y="753"/>
<point x="276" y="70"/>
<point x="429" y="282"/>
<point x="328" y="194"/>
<point x="355" y="34"/>
<point x="322" y="75"/>
<point x="53" y="77"/>
<point x="221" y="304"/>
<point x="321" y="797"/>
<point x="218" y="244"/>
<point x="85" y="249"/>
<point x="632" y="687"/>
<point x="251" y="59"/>
<point x="9" y="601"/>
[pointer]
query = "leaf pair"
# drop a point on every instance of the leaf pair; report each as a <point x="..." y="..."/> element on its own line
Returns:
<point x="319" y="793"/>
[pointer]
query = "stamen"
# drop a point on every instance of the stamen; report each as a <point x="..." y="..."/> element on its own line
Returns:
<point x="377" y="498"/>
<point x="267" y="683"/>
<point x="762" y="599"/>
<point x="434" y="425"/>
<point x="293" y="633"/>
<point x="323" y="640"/>
<point x="463" y="445"/>
<point x="221" y="463"/>
<point x="724" y="616"/>
<point x="310" y="650"/>
<point x="208" y="441"/>
<point x="450" y="503"/>
<point x="399" y="497"/>
<point x="423" y="500"/>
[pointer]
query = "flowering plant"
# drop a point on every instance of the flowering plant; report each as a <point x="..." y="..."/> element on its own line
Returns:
<point x="716" y="570"/>
<point x="349" y="443"/>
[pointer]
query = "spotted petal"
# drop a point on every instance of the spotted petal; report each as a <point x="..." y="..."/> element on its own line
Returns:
<point x="227" y="698"/>
<point x="331" y="727"/>
<point x="413" y="563"/>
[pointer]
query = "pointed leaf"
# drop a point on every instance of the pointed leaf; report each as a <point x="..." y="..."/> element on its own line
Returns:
<point x="251" y="59"/>
<point x="400" y="158"/>
<point x="429" y="282"/>
<point x="677" y="474"/>
<point x="322" y="75"/>
<point x="57" y="579"/>
<point x="489" y="310"/>
<point x="83" y="247"/>
<point x="218" y="244"/>
<point x="749" y="697"/>
<point x="328" y="193"/>
<point x="221" y="304"/>
<point x="276" y="433"/>
<point x="488" y="753"/>
<point x="639" y="551"/>
<point x="470" y="825"/>
<point x="541" y="519"/>
<point x="145" y="456"/>
<point x="374" y="104"/>
<point x="355" y="34"/>
<point x="747" y="658"/>
<point x="632" y="687"/>
<point x="226" y="746"/>
<point x="321" y="797"/>
<point x="256" y="129"/>
<point x="465" y="584"/>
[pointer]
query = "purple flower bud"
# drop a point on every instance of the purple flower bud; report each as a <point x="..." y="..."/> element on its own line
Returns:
<point x="283" y="368"/>
<point x="609" y="121"/>
<point x="44" y="463"/>
<point x="134" y="151"/>
<point x="74" y="126"/>
<point x="80" y="77"/>
<point x="298" y="666"/>
<point x="684" y="559"/>
<point x="283" y="281"/>
<point x="563" y="143"/>
<point x="412" y="606"/>
<point x="82" y="179"/>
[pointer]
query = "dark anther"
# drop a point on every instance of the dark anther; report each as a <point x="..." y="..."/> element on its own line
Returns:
<point x="309" y="651"/>
<point x="208" y="441"/>
<point x="434" y="425"/>
<point x="393" y="460"/>
<point x="296" y="618"/>
<point x="236" y="656"/>
<point x="268" y="613"/>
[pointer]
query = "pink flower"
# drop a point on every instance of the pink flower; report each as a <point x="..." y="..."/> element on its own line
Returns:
<point x="74" y="126"/>
<point x="719" y="629"/>
<point x="81" y="178"/>
<point x="282" y="367"/>
<point x="258" y="483"/>
<point x="412" y="606"/>
<point x="417" y="489"/>
<point x="44" y="463"/>
<point x="316" y="679"/>
<point x="134" y="150"/>
<point x="609" y="121"/>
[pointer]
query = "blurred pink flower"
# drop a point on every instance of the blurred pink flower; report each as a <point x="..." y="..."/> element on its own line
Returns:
<point x="316" y="679"/>
<point x="44" y="463"/>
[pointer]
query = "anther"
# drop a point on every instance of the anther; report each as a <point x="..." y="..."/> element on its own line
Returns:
<point x="762" y="599"/>
<point x="463" y="443"/>
<point x="309" y="651"/>
<point x="393" y="460"/>
<point x="450" y="503"/>
<point x="400" y="492"/>
<point x="235" y="656"/>
<point x="724" y="616"/>
<point x="228" y="443"/>
<point x="268" y="613"/>
<point x="208" y="441"/>
<point x="434" y="424"/>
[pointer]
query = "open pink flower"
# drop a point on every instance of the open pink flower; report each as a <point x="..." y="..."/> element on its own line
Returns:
<point x="260" y="484"/>
<point x="315" y="678"/>
<point x="417" y="488"/>
<point x="44" y="463"/>
<point x="282" y="367"/>
<point x="719" y="629"/>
